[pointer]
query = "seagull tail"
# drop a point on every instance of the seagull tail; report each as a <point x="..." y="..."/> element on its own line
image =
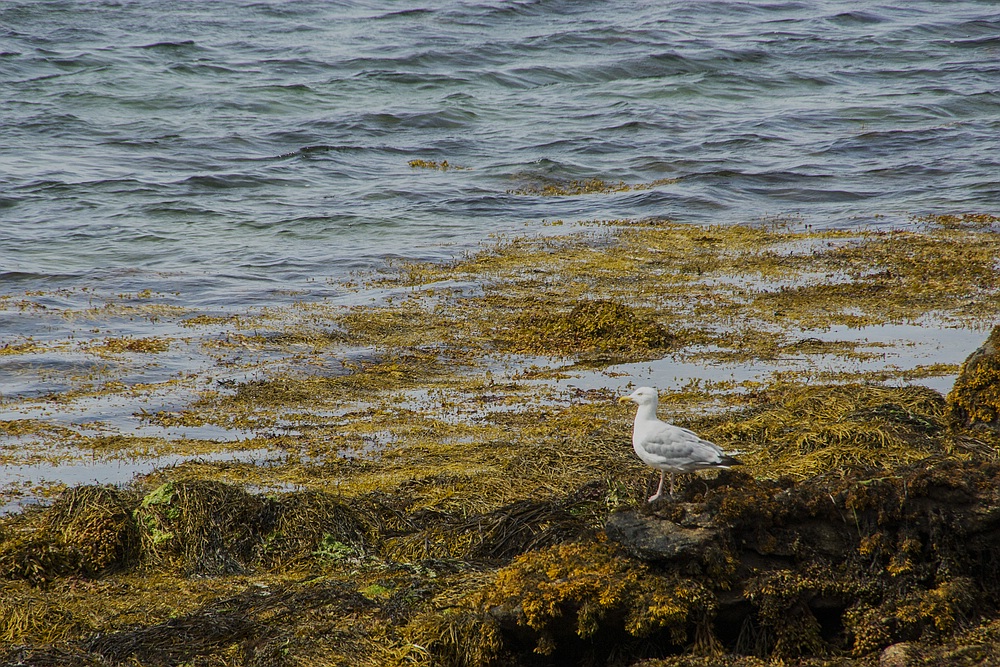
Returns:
<point x="729" y="459"/>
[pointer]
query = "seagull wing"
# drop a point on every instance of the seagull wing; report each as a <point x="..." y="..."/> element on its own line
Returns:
<point x="670" y="447"/>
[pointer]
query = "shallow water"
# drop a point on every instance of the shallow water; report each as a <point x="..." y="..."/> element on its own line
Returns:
<point x="892" y="347"/>
<point x="30" y="477"/>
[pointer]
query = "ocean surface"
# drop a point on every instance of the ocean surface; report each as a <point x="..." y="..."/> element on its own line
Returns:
<point x="230" y="151"/>
<point x="228" y="155"/>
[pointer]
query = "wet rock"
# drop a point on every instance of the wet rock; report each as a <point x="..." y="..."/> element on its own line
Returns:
<point x="975" y="398"/>
<point x="656" y="539"/>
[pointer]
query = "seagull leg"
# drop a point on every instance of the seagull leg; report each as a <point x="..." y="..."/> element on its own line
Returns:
<point x="671" y="486"/>
<point x="659" y="489"/>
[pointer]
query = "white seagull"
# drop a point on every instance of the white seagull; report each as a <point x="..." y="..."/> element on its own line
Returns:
<point x="670" y="448"/>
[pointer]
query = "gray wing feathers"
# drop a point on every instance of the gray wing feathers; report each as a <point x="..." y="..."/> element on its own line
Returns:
<point x="681" y="449"/>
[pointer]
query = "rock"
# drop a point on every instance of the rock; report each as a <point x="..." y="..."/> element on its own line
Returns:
<point x="897" y="655"/>
<point x="975" y="398"/>
<point x="653" y="538"/>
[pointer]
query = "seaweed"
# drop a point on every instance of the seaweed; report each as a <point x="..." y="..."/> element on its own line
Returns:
<point x="803" y="431"/>
<point x="88" y="531"/>
<point x="975" y="398"/>
<point x="433" y="499"/>
<point x="603" y="326"/>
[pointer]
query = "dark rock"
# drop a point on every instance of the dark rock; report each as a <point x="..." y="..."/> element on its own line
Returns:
<point x="652" y="538"/>
<point x="805" y="538"/>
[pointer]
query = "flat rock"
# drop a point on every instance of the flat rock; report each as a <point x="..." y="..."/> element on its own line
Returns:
<point x="652" y="538"/>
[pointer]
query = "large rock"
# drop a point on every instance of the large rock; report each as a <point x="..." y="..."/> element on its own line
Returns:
<point x="975" y="398"/>
<point x="655" y="539"/>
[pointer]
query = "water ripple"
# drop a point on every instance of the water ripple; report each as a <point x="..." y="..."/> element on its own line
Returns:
<point x="258" y="141"/>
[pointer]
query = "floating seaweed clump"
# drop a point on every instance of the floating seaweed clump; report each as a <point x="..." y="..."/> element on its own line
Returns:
<point x="140" y="345"/>
<point x="28" y="346"/>
<point x="589" y="186"/>
<point x="443" y="165"/>
<point x="975" y="398"/>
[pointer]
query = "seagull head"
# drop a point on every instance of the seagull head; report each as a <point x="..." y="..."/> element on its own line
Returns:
<point x="641" y="396"/>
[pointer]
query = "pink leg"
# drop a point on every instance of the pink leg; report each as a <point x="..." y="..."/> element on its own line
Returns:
<point x="659" y="489"/>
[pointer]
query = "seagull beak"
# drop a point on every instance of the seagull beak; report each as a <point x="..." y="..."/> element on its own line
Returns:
<point x="625" y="399"/>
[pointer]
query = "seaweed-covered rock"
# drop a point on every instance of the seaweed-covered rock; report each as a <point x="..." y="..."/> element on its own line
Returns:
<point x="553" y="598"/>
<point x="88" y="531"/>
<point x="204" y="527"/>
<point x="97" y="521"/>
<point x="844" y="564"/>
<point x="308" y="520"/>
<point x="975" y="398"/>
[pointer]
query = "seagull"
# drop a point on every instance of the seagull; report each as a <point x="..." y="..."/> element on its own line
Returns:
<point x="670" y="448"/>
